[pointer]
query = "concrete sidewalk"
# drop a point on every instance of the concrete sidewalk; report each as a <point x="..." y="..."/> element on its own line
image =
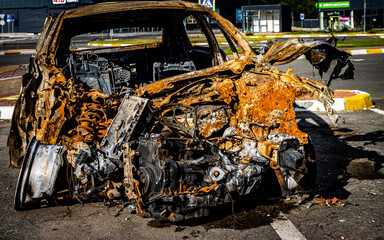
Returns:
<point x="10" y="84"/>
<point x="18" y="35"/>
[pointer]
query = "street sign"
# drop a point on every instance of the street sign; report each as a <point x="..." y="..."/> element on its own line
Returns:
<point x="2" y="22"/>
<point x="325" y="5"/>
<point x="301" y="16"/>
<point x="59" y="1"/>
<point x="239" y="15"/>
<point x="8" y="18"/>
<point x="208" y="3"/>
<point x="2" y="16"/>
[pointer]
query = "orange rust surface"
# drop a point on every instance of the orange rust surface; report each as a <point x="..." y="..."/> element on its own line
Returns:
<point x="265" y="100"/>
<point x="329" y="202"/>
<point x="213" y="122"/>
<point x="123" y="48"/>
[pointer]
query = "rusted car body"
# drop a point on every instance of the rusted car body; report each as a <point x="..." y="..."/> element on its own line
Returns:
<point x="170" y="127"/>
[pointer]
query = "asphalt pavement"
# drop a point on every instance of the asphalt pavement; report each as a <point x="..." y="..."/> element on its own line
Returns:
<point x="355" y="214"/>
<point x="345" y="208"/>
<point x="369" y="76"/>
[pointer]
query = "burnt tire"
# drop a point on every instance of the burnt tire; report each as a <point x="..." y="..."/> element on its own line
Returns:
<point x="22" y="181"/>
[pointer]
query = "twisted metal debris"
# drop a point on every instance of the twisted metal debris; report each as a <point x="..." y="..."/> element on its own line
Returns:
<point x="171" y="128"/>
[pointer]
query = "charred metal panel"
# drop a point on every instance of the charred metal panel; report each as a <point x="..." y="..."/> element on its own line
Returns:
<point x="122" y="126"/>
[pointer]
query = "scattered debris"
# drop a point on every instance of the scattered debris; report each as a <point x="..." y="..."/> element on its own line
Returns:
<point x="329" y="202"/>
<point x="371" y="192"/>
<point x="308" y="204"/>
<point x="365" y="169"/>
<point x="179" y="229"/>
<point x="158" y="224"/>
<point x="195" y="233"/>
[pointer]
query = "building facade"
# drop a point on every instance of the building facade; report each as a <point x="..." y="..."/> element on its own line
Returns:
<point x="266" y="18"/>
<point x="350" y="14"/>
<point x="29" y="15"/>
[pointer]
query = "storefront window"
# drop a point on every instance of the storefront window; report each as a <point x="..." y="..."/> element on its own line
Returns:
<point x="261" y="21"/>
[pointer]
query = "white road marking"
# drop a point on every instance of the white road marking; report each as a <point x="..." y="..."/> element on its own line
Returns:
<point x="27" y="52"/>
<point x="357" y="60"/>
<point x="359" y="52"/>
<point x="6" y="112"/>
<point x="285" y="229"/>
<point x="9" y="78"/>
<point x="376" y="110"/>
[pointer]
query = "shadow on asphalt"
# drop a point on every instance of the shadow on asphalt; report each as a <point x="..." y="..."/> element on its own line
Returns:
<point x="334" y="154"/>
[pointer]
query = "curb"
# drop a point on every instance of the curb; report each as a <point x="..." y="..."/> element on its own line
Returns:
<point x="31" y="52"/>
<point x="365" y="51"/>
<point x="319" y="35"/>
<point x="362" y="100"/>
<point x="358" y="101"/>
<point x="109" y="44"/>
<point x="17" y="52"/>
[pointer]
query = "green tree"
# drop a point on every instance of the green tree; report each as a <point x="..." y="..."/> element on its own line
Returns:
<point x="308" y="7"/>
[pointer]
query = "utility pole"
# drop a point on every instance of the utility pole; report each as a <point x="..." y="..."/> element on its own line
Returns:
<point x="2" y="24"/>
<point x="365" y="8"/>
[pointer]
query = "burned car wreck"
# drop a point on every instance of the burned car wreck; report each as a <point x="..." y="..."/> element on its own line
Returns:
<point x="170" y="127"/>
